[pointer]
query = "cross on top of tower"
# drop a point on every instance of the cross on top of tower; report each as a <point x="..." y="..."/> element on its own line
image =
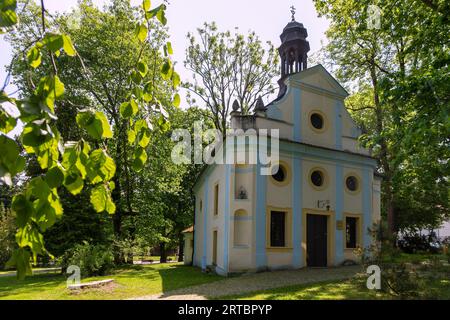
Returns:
<point x="293" y="13"/>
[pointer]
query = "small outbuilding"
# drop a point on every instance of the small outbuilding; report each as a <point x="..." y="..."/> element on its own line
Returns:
<point x="188" y="245"/>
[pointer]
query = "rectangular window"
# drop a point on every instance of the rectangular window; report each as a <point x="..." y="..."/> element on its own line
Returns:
<point x="214" y="255"/>
<point x="351" y="225"/>
<point x="277" y="228"/>
<point x="216" y="199"/>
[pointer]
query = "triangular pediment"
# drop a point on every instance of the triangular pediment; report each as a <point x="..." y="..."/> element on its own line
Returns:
<point x="318" y="77"/>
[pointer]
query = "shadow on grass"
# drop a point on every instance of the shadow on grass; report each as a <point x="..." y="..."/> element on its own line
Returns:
<point x="10" y="286"/>
<point x="181" y="276"/>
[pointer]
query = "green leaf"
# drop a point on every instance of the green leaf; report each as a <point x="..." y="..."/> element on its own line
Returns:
<point x="50" y="88"/>
<point x="8" y="16"/>
<point x="68" y="47"/>
<point x="73" y="183"/>
<point x="131" y="136"/>
<point x="101" y="200"/>
<point x="10" y="160"/>
<point x="100" y="167"/>
<point x="175" y="79"/>
<point x="20" y="259"/>
<point x="53" y="41"/>
<point x="141" y="32"/>
<point x="128" y="109"/>
<point x="146" y="4"/>
<point x="142" y="68"/>
<point x="54" y="177"/>
<point x="23" y="209"/>
<point x="169" y="47"/>
<point x="7" y="122"/>
<point x="136" y="77"/>
<point x="34" y="57"/>
<point x="176" y="100"/>
<point x="166" y="69"/>
<point x="95" y="124"/>
<point x="140" y="157"/>
<point x="159" y="12"/>
<point x="144" y="137"/>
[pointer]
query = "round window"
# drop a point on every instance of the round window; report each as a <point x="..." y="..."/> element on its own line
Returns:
<point x="317" y="121"/>
<point x="280" y="175"/>
<point x="352" y="183"/>
<point x="317" y="178"/>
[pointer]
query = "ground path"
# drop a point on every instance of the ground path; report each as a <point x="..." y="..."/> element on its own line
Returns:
<point x="255" y="282"/>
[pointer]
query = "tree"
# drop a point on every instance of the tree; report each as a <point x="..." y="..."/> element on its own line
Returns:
<point x="72" y="164"/>
<point x="7" y="232"/>
<point x="164" y="193"/>
<point x="228" y="67"/>
<point x="387" y="67"/>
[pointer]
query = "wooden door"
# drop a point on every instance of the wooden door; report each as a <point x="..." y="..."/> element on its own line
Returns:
<point x="316" y="242"/>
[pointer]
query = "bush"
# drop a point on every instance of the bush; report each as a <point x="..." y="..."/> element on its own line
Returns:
<point x="412" y="243"/>
<point x="93" y="260"/>
<point x="397" y="279"/>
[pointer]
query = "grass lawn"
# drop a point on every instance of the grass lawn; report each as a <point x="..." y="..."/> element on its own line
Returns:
<point x="353" y="289"/>
<point x="130" y="281"/>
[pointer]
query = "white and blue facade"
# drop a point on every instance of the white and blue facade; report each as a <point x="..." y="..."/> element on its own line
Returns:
<point x="234" y="235"/>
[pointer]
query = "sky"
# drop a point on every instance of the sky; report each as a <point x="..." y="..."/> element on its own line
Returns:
<point x="266" y="17"/>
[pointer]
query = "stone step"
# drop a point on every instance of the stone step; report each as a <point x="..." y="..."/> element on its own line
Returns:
<point x="92" y="284"/>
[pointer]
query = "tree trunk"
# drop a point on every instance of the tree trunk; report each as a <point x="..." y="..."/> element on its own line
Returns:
<point x="180" y="248"/>
<point x="383" y="154"/>
<point x="163" y="253"/>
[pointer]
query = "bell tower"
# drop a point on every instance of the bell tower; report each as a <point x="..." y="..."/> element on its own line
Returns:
<point x="293" y="50"/>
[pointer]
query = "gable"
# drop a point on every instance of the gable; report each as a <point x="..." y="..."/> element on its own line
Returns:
<point x="316" y="91"/>
<point x="318" y="77"/>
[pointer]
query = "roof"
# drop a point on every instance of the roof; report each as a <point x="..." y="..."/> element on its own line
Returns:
<point x="188" y="230"/>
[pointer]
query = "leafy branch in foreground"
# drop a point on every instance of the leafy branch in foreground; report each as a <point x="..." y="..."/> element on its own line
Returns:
<point x="70" y="164"/>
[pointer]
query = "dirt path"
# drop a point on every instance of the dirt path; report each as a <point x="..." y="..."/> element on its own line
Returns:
<point x="255" y="282"/>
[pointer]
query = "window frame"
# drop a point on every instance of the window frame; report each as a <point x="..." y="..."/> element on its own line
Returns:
<point x="287" y="228"/>
<point x="216" y="199"/>
<point x="324" y="120"/>
<point x="287" y="173"/>
<point x="358" y="181"/>
<point x="358" y="231"/>
<point x="324" y="176"/>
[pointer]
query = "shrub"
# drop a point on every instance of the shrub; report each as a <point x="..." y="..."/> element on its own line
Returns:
<point x="412" y="243"/>
<point x="397" y="279"/>
<point x="93" y="260"/>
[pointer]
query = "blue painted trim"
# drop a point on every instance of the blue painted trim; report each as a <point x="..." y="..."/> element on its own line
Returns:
<point x="367" y="207"/>
<point x="205" y="222"/>
<point x="220" y="271"/>
<point x="338" y="124"/>
<point x="339" y="234"/>
<point x="297" y="196"/>
<point x="330" y="155"/>
<point x="226" y="217"/>
<point x="297" y="114"/>
<point x="260" y="217"/>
